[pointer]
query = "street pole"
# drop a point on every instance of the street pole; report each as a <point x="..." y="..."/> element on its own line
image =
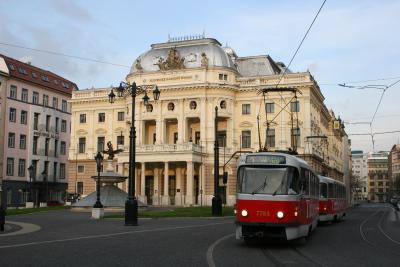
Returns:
<point x="131" y="204"/>
<point x="216" y="208"/>
<point x="98" y="158"/>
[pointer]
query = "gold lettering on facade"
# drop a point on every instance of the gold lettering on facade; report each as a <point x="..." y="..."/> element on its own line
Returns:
<point x="176" y="78"/>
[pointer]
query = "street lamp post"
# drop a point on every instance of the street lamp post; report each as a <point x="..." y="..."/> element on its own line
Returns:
<point x="31" y="169"/>
<point x="131" y="204"/>
<point x="216" y="208"/>
<point x="99" y="159"/>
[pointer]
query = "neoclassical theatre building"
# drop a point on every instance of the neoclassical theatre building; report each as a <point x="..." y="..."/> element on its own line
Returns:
<point x="175" y="135"/>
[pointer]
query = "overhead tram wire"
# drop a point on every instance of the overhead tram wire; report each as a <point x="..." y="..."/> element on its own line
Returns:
<point x="64" y="55"/>
<point x="362" y="81"/>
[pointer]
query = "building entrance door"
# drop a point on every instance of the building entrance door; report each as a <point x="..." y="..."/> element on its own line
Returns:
<point x="196" y="189"/>
<point x="149" y="189"/>
<point x="172" y="189"/>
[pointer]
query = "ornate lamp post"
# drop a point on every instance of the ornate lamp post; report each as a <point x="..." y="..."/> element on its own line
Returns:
<point x="99" y="159"/>
<point x="124" y="89"/>
<point x="216" y="202"/>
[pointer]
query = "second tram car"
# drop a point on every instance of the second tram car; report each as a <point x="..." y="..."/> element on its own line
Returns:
<point x="332" y="200"/>
<point x="277" y="196"/>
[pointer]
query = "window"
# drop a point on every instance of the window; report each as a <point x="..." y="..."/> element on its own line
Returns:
<point x="22" y="141"/>
<point x="175" y="138"/>
<point x="197" y="138"/>
<point x="35" y="98"/>
<point x="221" y="137"/>
<point x="121" y="115"/>
<point x="34" y="75"/>
<point x="24" y="95"/>
<point x="171" y="106"/>
<point x="45" y="78"/>
<point x="13" y="115"/>
<point x="11" y="67"/>
<point x="222" y="104"/>
<point x="154" y="138"/>
<point x="100" y="143"/>
<point x="45" y="100"/>
<point x="55" y="148"/>
<point x="295" y="106"/>
<point x="82" y="144"/>
<point x="102" y="117"/>
<point x="246" y="139"/>
<point x="55" y="102"/>
<point x="48" y="117"/>
<point x="21" y="168"/>
<point x="79" y="187"/>
<point x="11" y="140"/>
<point x="64" y="105"/>
<point x="57" y="120"/>
<point x="193" y="105"/>
<point x="271" y="138"/>
<point x="46" y="146"/>
<point x="120" y="140"/>
<point x="295" y="137"/>
<point x="22" y="70"/>
<point x="245" y="109"/>
<point x="55" y="170"/>
<point x="63" y="148"/>
<point x="35" y="121"/>
<point x="10" y="166"/>
<point x="63" y="126"/>
<point x="223" y="77"/>
<point x="82" y="118"/>
<point x="24" y="117"/>
<point x="13" y="92"/>
<point x="270" y="107"/>
<point x="62" y="170"/>
<point x="81" y="168"/>
<point x="34" y="145"/>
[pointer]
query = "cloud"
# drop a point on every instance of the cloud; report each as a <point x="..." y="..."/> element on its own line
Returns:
<point x="71" y="10"/>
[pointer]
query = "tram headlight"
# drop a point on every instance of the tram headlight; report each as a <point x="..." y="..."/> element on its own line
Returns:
<point x="245" y="213"/>
<point x="296" y="213"/>
<point x="234" y="211"/>
<point x="280" y="214"/>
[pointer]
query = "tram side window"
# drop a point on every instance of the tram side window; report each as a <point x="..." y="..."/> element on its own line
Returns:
<point x="294" y="186"/>
<point x="317" y="185"/>
<point x="305" y="182"/>
<point x="312" y="185"/>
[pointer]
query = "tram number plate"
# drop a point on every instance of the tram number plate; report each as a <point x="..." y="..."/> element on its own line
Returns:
<point x="262" y="213"/>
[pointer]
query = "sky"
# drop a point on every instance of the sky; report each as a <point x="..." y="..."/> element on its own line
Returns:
<point x="350" y="41"/>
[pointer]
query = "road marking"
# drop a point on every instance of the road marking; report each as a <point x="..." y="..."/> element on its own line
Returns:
<point x="383" y="232"/>
<point x="361" y="226"/>
<point x="210" y="250"/>
<point x="110" y="235"/>
<point x="25" y="228"/>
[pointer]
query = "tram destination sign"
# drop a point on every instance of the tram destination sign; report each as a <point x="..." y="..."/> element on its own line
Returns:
<point x="266" y="159"/>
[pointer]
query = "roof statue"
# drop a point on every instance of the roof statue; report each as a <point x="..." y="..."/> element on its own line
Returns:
<point x="173" y="61"/>
<point x="110" y="151"/>
<point x="204" y="60"/>
<point x="138" y="65"/>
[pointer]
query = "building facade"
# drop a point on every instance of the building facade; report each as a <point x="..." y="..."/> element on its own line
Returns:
<point x="175" y="135"/>
<point x="35" y="131"/>
<point x="360" y="175"/>
<point x="394" y="169"/>
<point x="378" y="177"/>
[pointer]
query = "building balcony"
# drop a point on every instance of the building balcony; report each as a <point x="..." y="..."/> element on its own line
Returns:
<point x="185" y="147"/>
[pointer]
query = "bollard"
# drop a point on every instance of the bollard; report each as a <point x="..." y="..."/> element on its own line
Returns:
<point x="2" y="218"/>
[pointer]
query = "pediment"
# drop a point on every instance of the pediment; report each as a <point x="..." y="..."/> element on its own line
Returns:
<point x="295" y="123"/>
<point x="119" y="130"/>
<point x="246" y="124"/>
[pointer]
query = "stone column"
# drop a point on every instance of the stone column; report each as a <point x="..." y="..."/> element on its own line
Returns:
<point x="142" y="196"/>
<point x="181" y="123"/>
<point x="189" y="183"/>
<point x="178" y="196"/>
<point x="156" y="193"/>
<point x="165" y="198"/>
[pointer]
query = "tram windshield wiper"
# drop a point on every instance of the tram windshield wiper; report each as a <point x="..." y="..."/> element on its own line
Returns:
<point x="261" y="186"/>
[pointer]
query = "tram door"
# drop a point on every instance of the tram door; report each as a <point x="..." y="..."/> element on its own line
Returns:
<point x="196" y="189"/>
<point x="149" y="189"/>
<point x="171" y="189"/>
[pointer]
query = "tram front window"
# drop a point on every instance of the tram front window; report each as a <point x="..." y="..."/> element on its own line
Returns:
<point x="323" y="190"/>
<point x="271" y="181"/>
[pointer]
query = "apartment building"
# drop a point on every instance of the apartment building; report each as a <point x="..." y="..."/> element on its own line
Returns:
<point x="35" y="133"/>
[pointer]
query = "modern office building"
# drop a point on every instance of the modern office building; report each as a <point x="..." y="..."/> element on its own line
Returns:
<point x="360" y="175"/>
<point x="34" y="131"/>
<point x="175" y="135"/>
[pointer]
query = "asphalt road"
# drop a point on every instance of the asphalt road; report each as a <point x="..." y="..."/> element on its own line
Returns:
<point x="369" y="236"/>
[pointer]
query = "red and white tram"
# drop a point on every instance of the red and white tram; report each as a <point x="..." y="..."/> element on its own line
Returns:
<point x="332" y="199"/>
<point x="277" y="196"/>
